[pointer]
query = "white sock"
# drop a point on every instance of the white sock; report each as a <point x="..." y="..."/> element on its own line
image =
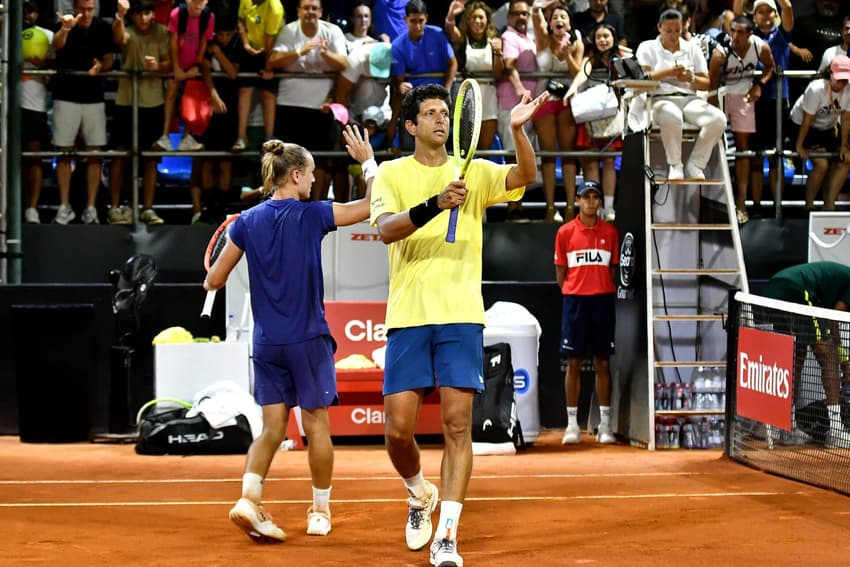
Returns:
<point x="608" y="202"/>
<point x="835" y="423"/>
<point x="449" y="519"/>
<point x="252" y="487"/>
<point x="321" y="499"/>
<point x="604" y="415"/>
<point x="572" y="416"/>
<point x="416" y="485"/>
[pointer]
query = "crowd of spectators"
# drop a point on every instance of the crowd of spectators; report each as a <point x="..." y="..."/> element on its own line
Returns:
<point x="300" y="70"/>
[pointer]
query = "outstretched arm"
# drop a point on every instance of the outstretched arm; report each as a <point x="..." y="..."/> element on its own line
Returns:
<point x="525" y="170"/>
<point x="359" y="148"/>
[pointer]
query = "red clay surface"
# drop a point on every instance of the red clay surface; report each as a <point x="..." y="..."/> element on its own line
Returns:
<point x="97" y="504"/>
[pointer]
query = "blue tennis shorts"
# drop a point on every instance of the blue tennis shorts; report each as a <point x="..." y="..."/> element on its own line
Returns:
<point x="587" y="323"/>
<point x="431" y="356"/>
<point x="300" y="374"/>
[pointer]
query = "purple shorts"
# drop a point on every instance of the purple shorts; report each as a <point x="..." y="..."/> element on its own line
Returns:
<point x="300" y="374"/>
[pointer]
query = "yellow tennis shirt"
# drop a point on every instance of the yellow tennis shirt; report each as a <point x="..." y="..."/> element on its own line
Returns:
<point x="433" y="282"/>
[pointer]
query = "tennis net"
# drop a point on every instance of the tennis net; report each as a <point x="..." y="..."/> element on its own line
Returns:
<point x="788" y="391"/>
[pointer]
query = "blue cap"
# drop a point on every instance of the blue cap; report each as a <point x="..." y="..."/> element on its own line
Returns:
<point x="588" y="186"/>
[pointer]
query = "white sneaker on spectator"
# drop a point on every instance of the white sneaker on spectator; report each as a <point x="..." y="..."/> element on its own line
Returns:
<point x="90" y="216"/>
<point x="31" y="216"/>
<point x="418" y="529"/>
<point x="572" y="435"/>
<point x="604" y="435"/>
<point x="64" y="214"/>
<point x="694" y="172"/>
<point x="163" y="144"/>
<point x="196" y="217"/>
<point x="119" y="215"/>
<point x="149" y="216"/>
<point x="742" y="216"/>
<point x="609" y="215"/>
<point x="189" y="144"/>
<point x="675" y="173"/>
<point x="238" y="146"/>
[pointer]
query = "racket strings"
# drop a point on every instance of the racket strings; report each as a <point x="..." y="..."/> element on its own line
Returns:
<point x="467" y="125"/>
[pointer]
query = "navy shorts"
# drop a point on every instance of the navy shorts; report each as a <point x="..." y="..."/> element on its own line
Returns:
<point x="587" y="323"/>
<point x="431" y="356"/>
<point x="300" y="374"/>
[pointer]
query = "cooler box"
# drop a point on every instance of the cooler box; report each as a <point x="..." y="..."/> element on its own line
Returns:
<point x="513" y="324"/>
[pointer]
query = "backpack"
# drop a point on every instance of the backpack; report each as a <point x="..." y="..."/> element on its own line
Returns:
<point x="494" y="411"/>
<point x="183" y="19"/>
<point x="170" y="432"/>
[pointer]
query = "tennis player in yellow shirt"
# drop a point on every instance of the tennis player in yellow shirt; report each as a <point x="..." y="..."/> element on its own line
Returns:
<point x="435" y="310"/>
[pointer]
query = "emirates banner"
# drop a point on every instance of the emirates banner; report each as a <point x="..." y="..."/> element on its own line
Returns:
<point x="765" y="377"/>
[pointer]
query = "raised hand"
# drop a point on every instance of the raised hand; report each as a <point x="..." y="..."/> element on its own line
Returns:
<point x="357" y="143"/>
<point x="527" y="108"/>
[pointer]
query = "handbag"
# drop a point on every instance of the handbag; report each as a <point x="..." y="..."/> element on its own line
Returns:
<point x="604" y="128"/>
<point x="597" y="102"/>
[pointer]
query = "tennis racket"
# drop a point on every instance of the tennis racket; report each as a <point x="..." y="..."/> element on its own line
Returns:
<point x="466" y="126"/>
<point x="213" y="251"/>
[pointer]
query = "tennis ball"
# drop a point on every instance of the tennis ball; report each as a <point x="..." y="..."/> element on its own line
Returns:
<point x="34" y="44"/>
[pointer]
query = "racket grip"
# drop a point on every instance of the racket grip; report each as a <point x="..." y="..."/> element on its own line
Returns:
<point x="450" y="233"/>
<point x="208" y="305"/>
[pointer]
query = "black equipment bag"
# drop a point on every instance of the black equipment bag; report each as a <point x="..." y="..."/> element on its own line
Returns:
<point x="172" y="433"/>
<point x="494" y="411"/>
<point x="627" y="68"/>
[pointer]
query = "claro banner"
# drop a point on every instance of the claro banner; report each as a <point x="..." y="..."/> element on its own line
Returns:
<point x="765" y="377"/>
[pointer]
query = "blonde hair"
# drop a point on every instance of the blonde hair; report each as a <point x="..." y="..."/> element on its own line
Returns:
<point x="279" y="158"/>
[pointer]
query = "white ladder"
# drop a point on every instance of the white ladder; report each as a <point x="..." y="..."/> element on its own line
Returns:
<point x="693" y="257"/>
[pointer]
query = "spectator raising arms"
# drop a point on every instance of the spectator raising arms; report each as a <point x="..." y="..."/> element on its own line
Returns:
<point x="560" y="50"/>
<point x="478" y="49"/>
<point x="681" y="68"/>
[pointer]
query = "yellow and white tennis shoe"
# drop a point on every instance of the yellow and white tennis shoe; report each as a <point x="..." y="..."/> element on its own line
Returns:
<point x="418" y="529"/>
<point x="256" y="522"/>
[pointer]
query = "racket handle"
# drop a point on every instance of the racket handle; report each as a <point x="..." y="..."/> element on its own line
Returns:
<point x="208" y="305"/>
<point x="450" y="233"/>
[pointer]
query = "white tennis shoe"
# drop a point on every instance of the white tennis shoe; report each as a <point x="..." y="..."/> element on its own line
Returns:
<point x="444" y="554"/>
<point x="418" y="529"/>
<point x="255" y="522"/>
<point x="318" y="523"/>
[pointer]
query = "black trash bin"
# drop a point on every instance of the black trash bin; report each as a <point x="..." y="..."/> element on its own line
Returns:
<point x="55" y="358"/>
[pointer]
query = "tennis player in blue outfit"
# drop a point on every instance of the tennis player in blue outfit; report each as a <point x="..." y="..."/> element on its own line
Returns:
<point x="293" y="352"/>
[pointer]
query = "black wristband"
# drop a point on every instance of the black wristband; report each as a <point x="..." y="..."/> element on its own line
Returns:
<point x="424" y="212"/>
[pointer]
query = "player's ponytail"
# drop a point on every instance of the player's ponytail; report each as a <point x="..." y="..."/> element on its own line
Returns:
<point x="279" y="158"/>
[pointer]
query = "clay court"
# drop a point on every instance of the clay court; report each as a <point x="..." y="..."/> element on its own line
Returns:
<point x="101" y="504"/>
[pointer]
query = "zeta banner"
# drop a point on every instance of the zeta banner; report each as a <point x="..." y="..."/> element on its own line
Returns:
<point x="765" y="377"/>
